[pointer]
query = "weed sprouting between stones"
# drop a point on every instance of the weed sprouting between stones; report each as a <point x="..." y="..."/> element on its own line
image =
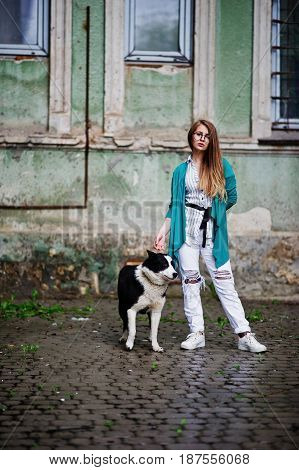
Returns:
<point x="56" y="389"/>
<point x="255" y="315"/>
<point x="28" y="348"/>
<point x="222" y="322"/>
<point x="11" y="393"/>
<point x="239" y="396"/>
<point x="181" y="427"/>
<point x="170" y="318"/>
<point x="33" y="308"/>
<point x="109" y="423"/>
<point x="154" y="365"/>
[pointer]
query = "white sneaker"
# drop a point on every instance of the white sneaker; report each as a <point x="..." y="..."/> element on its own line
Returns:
<point x="194" y="340"/>
<point x="249" y="343"/>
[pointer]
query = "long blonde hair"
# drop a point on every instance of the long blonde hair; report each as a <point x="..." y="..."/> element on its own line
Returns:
<point x="212" y="180"/>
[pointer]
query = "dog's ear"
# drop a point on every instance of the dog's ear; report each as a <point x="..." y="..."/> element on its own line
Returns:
<point x="150" y="253"/>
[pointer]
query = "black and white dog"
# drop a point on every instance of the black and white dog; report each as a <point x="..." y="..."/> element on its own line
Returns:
<point x="142" y="289"/>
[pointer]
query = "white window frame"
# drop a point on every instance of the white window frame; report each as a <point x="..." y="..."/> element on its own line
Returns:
<point x="203" y="72"/>
<point x="42" y="46"/>
<point x="278" y="121"/>
<point x="184" y="55"/>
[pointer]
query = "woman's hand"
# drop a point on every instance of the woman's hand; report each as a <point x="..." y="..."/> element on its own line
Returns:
<point x="159" y="243"/>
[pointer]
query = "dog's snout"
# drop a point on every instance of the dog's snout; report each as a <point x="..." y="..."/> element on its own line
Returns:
<point x="174" y="275"/>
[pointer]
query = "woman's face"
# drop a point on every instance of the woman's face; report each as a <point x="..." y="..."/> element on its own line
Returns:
<point x="200" y="138"/>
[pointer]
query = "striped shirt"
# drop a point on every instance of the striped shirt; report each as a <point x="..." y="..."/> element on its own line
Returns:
<point x="193" y="216"/>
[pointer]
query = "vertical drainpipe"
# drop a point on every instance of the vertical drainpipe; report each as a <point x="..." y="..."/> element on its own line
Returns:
<point x="87" y="124"/>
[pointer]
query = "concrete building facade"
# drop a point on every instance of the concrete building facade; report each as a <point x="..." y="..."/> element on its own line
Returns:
<point x="88" y="143"/>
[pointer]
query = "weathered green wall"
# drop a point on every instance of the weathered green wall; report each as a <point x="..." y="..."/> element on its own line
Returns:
<point x="41" y="177"/>
<point x="270" y="182"/>
<point x="129" y="191"/>
<point x="128" y="198"/>
<point x="234" y="39"/>
<point x="24" y="94"/>
<point x="137" y="182"/>
<point x="96" y="79"/>
<point x="158" y="97"/>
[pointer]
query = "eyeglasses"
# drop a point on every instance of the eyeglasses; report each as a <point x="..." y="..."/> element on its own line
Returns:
<point x="200" y="136"/>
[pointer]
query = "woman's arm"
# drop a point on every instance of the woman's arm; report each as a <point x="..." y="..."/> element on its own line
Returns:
<point x="230" y="184"/>
<point x="159" y="243"/>
<point x="231" y="190"/>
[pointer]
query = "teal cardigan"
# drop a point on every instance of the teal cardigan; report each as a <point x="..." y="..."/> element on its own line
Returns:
<point x="177" y="214"/>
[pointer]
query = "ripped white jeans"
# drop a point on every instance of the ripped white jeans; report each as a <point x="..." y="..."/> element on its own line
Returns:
<point x="223" y="281"/>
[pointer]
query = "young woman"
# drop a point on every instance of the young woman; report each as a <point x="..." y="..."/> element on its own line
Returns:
<point x="203" y="188"/>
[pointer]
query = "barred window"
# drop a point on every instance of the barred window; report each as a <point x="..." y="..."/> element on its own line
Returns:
<point x="285" y="64"/>
<point x="159" y="31"/>
<point x="24" y="27"/>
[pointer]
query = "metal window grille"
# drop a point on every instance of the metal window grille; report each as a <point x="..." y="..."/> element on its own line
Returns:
<point x="24" y="27"/>
<point x="285" y="64"/>
<point x="182" y="53"/>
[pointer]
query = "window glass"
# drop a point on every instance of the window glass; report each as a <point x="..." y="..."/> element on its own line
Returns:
<point x="157" y="25"/>
<point x="285" y="63"/>
<point x="18" y="21"/>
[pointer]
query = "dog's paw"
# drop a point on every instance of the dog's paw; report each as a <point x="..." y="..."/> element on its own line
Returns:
<point x="123" y="338"/>
<point x="158" y="348"/>
<point x="129" y="345"/>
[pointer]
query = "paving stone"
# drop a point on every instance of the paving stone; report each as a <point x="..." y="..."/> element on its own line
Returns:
<point x="111" y="399"/>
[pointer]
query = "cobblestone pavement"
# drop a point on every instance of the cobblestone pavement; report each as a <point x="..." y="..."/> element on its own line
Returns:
<point x="82" y="390"/>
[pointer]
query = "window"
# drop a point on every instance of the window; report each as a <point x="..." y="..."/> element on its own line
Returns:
<point x="24" y="27"/>
<point x="285" y="64"/>
<point x="159" y="31"/>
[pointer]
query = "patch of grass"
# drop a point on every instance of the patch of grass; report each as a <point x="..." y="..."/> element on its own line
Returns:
<point x="170" y="318"/>
<point x="33" y="308"/>
<point x="255" y="315"/>
<point x="69" y="395"/>
<point x="40" y="387"/>
<point x="239" y="396"/>
<point x="154" y="365"/>
<point x="181" y="427"/>
<point x="237" y="367"/>
<point x="220" y="372"/>
<point x="275" y="301"/>
<point x="28" y="348"/>
<point x="109" y="423"/>
<point x="56" y="388"/>
<point x="12" y="393"/>
<point x="222" y="322"/>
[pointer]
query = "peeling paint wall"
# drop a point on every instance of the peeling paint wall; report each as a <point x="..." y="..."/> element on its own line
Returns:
<point x="128" y="186"/>
<point x="23" y="95"/>
<point x="128" y="198"/>
<point x="41" y="177"/>
<point x="96" y="80"/>
<point x="234" y="39"/>
<point x="158" y="97"/>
